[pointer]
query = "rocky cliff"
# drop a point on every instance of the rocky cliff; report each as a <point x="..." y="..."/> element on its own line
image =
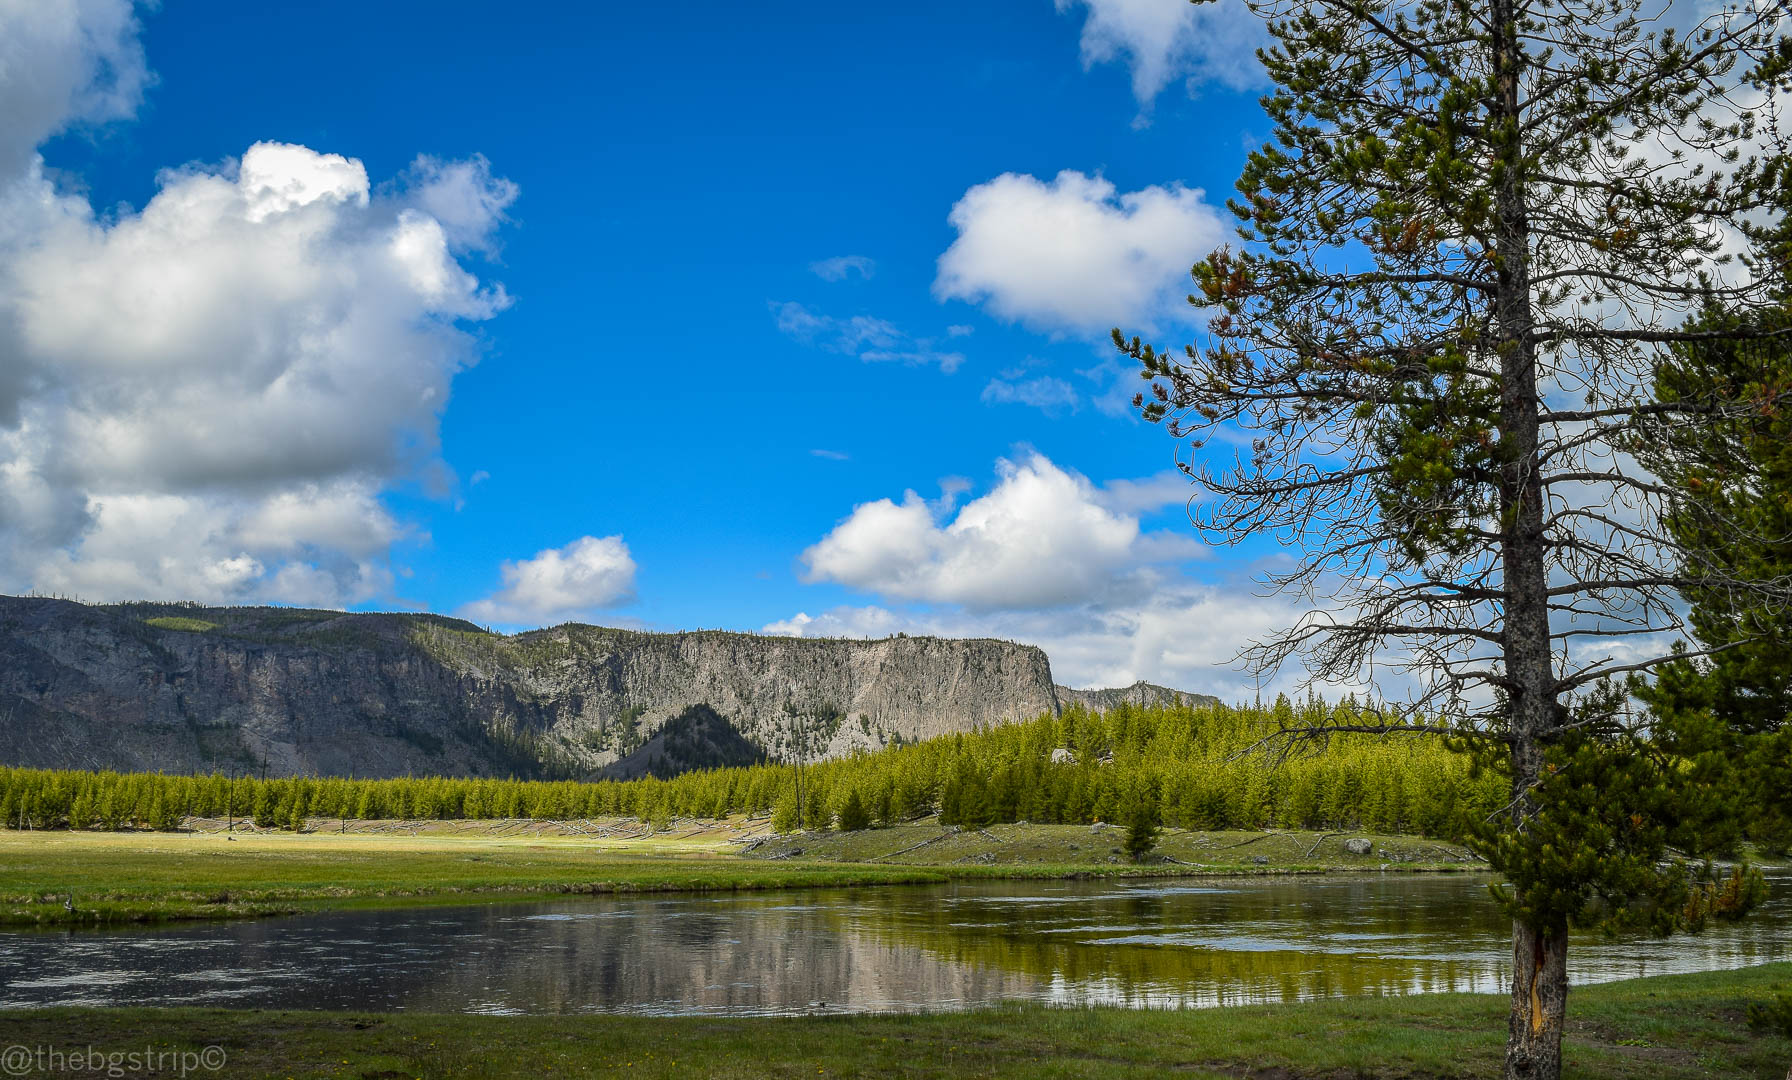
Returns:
<point x="182" y="688"/>
<point x="1149" y="695"/>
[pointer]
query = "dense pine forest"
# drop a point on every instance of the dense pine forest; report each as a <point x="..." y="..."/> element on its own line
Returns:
<point x="1181" y="766"/>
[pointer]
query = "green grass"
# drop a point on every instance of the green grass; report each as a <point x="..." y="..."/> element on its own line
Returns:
<point x="1664" y="1028"/>
<point x="180" y="622"/>
<point x="155" y="877"/>
<point x="147" y="877"/>
<point x="1229" y="852"/>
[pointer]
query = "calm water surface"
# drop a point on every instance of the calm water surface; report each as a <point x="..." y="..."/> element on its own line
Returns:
<point x="1147" y="944"/>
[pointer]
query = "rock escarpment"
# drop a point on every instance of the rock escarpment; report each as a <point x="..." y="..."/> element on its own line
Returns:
<point x="1149" y="695"/>
<point x="181" y="688"/>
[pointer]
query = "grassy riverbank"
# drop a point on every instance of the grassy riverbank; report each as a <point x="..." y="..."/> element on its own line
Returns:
<point x="1664" y="1028"/>
<point x="1230" y="852"/>
<point x="208" y="874"/>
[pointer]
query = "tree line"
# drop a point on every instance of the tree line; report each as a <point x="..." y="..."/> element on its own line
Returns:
<point x="1181" y="766"/>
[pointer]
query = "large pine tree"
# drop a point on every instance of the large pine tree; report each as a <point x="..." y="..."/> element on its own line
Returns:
<point x="1478" y="227"/>
<point x="1728" y="710"/>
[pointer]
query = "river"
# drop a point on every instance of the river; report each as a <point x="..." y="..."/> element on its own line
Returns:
<point x="1159" y="943"/>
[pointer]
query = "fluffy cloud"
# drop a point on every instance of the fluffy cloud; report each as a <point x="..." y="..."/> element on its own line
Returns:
<point x="244" y="329"/>
<point x="319" y="546"/>
<point x="1162" y="41"/>
<point x="1049" y="559"/>
<point x="870" y="339"/>
<point x="1073" y="254"/>
<point x="206" y="397"/>
<point x="840" y="267"/>
<point x="560" y="584"/>
<point x="1043" y="537"/>
<point x="64" y="63"/>
<point x="345" y="517"/>
<point x="463" y="197"/>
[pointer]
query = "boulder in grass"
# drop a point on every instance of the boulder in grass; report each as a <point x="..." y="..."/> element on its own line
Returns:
<point x="1359" y="846"/>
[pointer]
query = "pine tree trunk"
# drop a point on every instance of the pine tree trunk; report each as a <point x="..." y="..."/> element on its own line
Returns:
<point x="1539" y="1002"/>
<point x="1540" y="954"/>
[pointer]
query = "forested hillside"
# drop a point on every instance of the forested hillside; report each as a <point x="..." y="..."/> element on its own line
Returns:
<point x="1182" y="763"/>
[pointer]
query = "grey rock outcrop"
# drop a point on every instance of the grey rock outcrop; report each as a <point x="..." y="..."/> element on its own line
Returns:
<point x="1141" y="693"/>
<point x="181" y="688"/>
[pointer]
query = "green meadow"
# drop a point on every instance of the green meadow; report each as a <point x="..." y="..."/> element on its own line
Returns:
<point x="1674" y="1027"/>
<point x="122" y="877"/>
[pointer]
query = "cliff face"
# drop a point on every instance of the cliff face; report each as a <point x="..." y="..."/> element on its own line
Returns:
<point x="1149" y="695"/>
<point x="180" y="688"/>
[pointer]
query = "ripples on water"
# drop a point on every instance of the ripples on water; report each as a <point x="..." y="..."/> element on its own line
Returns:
<point x="1154" y="944"/>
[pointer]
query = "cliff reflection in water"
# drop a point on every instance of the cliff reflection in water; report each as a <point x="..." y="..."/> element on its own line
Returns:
<point x="1157" y="944"/>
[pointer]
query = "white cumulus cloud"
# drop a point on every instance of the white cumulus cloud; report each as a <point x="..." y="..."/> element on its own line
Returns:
<point x="344" y="517"/>
<point x="1074" y="254"/>
<point x="560" y="584"/>
<point x="320" y="546"/>
<point x="207" y="396"/>
<point x="64" y="63"/>
<point x="1042" y="537"/>
<point x="1048" y="558"/>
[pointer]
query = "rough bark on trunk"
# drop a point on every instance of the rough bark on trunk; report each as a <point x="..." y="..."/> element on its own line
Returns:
<point x="1539" y="1002"/>
<point x="1539" y="970"/>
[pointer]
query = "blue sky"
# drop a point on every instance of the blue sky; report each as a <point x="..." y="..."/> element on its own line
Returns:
<point x="786" y="318"/>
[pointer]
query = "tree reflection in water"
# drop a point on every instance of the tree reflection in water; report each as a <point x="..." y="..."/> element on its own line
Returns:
<point x="1181" y="943"/>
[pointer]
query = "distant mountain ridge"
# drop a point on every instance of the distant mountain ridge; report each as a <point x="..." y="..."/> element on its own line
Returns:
<point x="185" y="688"/>
<point x="1149" y="695"/>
